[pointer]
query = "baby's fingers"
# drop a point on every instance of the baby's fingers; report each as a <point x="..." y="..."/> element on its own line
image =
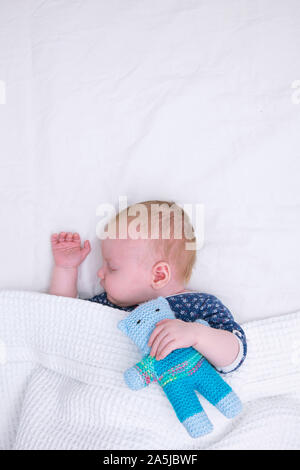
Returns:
<point x="166" y="350"/>
<point x="62" y="236"/>
<point x="54" y="238"/>
<point x="86" y="249"/>
<point x="158" y="341"/>
<point x="65" y="237"/>
<point x="158" y="328"/>
<point x="154" y="334"/>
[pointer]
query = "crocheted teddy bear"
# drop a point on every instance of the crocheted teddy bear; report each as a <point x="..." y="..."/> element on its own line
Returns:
<point x="179" y="374"/>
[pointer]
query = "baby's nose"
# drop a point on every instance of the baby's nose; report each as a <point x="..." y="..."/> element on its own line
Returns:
<point x="100" y="273"/>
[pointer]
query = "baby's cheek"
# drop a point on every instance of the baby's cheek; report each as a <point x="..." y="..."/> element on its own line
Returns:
<point x="117" y="284"/>
<point x="139" y="282"/>
<point x="125" y="285"/>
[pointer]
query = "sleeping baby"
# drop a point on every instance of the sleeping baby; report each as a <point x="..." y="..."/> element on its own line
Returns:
<point x="136" y="269"/>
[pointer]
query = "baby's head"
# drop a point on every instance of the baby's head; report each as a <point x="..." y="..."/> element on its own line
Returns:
<point x="147" y="255"/>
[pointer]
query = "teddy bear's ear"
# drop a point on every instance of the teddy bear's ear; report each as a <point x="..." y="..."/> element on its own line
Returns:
<point x="123" y="326"/>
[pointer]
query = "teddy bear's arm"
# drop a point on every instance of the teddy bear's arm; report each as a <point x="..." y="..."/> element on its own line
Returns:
<point x="146" y="369"/>
<point x="134" y="379"/>
<point x="142" y="374"/>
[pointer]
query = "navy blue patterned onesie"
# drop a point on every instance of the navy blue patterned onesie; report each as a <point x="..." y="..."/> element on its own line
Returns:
<point x="190" y="306"/>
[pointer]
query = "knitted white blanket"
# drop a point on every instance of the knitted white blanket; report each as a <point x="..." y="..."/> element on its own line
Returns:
<point x="61" y="383"/>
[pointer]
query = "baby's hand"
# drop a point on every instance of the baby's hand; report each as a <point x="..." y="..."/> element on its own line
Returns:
<point x="171" y="334"/>
<point x="67" y="251"/>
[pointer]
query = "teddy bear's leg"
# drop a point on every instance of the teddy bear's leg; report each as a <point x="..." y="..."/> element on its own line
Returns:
<point x="187" y="407"/>
<point x="212" y="386"/>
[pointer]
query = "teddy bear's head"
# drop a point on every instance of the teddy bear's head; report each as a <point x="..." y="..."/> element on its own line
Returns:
<point x="140" y="323"/>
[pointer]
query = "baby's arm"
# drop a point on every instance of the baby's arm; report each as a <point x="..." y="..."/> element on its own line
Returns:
<point x="223" y="342"/>
<point x="220" y="347"/>
<point x="64" y="281"/>
<point x="68" y="255"/>
<point x="220" y="339"/>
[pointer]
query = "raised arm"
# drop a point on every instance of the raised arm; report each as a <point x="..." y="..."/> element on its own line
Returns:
<point x="68" y="255"/>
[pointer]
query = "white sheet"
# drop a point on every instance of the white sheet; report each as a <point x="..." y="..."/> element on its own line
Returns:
<point x="187" y="100"/>
<point x="62" y="385"/>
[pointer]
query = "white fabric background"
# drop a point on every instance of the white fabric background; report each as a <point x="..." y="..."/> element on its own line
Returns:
<point x="188" y="100"/>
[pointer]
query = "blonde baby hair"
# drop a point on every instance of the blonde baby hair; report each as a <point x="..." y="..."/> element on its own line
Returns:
<point x="168" y="227"/>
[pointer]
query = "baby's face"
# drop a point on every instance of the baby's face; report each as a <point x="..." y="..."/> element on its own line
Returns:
<point x="126" y="272"/>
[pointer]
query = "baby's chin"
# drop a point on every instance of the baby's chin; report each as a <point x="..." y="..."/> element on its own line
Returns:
<point x="120" y="303"/>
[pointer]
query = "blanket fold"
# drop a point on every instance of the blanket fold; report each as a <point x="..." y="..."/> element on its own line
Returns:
<point x="61" y="382"/>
